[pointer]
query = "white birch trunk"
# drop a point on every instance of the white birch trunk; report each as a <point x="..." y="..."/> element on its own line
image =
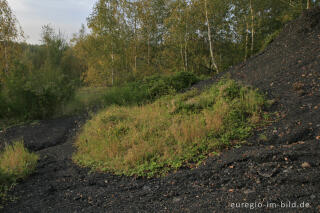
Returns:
<point x="213" y="61"/>
<point x="252" y="27"/>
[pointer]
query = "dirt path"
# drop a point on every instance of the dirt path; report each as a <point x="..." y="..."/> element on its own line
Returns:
<point x="281" y="169"/>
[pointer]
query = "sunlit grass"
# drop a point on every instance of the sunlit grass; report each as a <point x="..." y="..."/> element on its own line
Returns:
<point x="175" y="130"/>
<point x="16" y="162"/>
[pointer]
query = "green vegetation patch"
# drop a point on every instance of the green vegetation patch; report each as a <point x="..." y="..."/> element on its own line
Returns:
<point x="85" y="98"/>
<point x="149" y="89"/>
<point x="178" y="130"/>
<point x="134" y="93"/>
<point x="16" y="162"/>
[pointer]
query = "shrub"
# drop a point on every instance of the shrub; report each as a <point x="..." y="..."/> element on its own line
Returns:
<point x="175" y="130"/>
<point x="40" y="80"/>
<point x="129" y="94"/>
<point x="36" y="94"/>
<point x="16" y="162"/>
<point x="135" y="93"/>
<point x="149" y="89"/>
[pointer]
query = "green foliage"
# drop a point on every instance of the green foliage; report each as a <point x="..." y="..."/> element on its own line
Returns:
<point x="9" y="33"/>
<point x="130" y="39"/>
<point x="34" y="89"/>
<point x="126" y="95"/>
<point x="34" y="95"/>
<point x="85" y="99"/>
<point x="175" y="130"/>
<point x="149" y="89"/>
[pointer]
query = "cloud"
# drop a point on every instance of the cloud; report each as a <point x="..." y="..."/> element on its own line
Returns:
<point x="66" y="15"/>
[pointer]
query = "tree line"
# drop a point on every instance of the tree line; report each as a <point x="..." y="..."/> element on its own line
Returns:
<point x="133" y="38"/>
<point x="35" y="80"/>
<point x="126" y="40"/>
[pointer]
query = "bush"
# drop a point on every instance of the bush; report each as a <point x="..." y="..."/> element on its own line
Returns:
<point x="40" y="80"/>
<point x="173" y="131"/>
<point x="149" y="89"/>
<point x="35" y="95"/>
<point x="126" y="95"/>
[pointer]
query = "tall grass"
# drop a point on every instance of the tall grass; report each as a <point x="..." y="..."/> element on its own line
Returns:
<point x="175" y="130"/>
<point x="16" y="162"/>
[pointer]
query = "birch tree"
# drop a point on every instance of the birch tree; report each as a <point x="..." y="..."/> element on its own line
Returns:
<point x="213" y="61"/>
<point x="10" y="31"/>
<point x="106" y="23"/>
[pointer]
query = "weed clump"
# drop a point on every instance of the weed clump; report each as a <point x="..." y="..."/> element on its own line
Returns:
<point x="16" y="162"/>
<point x="173" y="131"/>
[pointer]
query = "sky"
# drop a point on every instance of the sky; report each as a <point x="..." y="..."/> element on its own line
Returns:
<point x="64" y="15"/>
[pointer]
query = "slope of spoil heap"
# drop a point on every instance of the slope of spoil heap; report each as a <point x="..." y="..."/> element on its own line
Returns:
<point x="277" y="172"/>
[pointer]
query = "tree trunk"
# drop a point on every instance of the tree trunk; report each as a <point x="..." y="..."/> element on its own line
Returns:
<point x="112" y="69"/>
<point x="148" y="49"/>
<point x="6" y="58"/>
<point x="213" y="62"/>
<point x="252" y="27"/>
<point x="186" y="46"/>
<point x="186" y="53"/>
<point x="180" y="38"/>
<point x="181" y="54"/>
<point x="135" y="44"/>
<point x="247" y="41"/>
<point x="308" y="4"/>
<point x="135" y="63"/>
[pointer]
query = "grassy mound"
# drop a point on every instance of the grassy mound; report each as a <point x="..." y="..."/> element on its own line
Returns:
<point x="153" y="139"/>
<point x="16" y="162"/>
